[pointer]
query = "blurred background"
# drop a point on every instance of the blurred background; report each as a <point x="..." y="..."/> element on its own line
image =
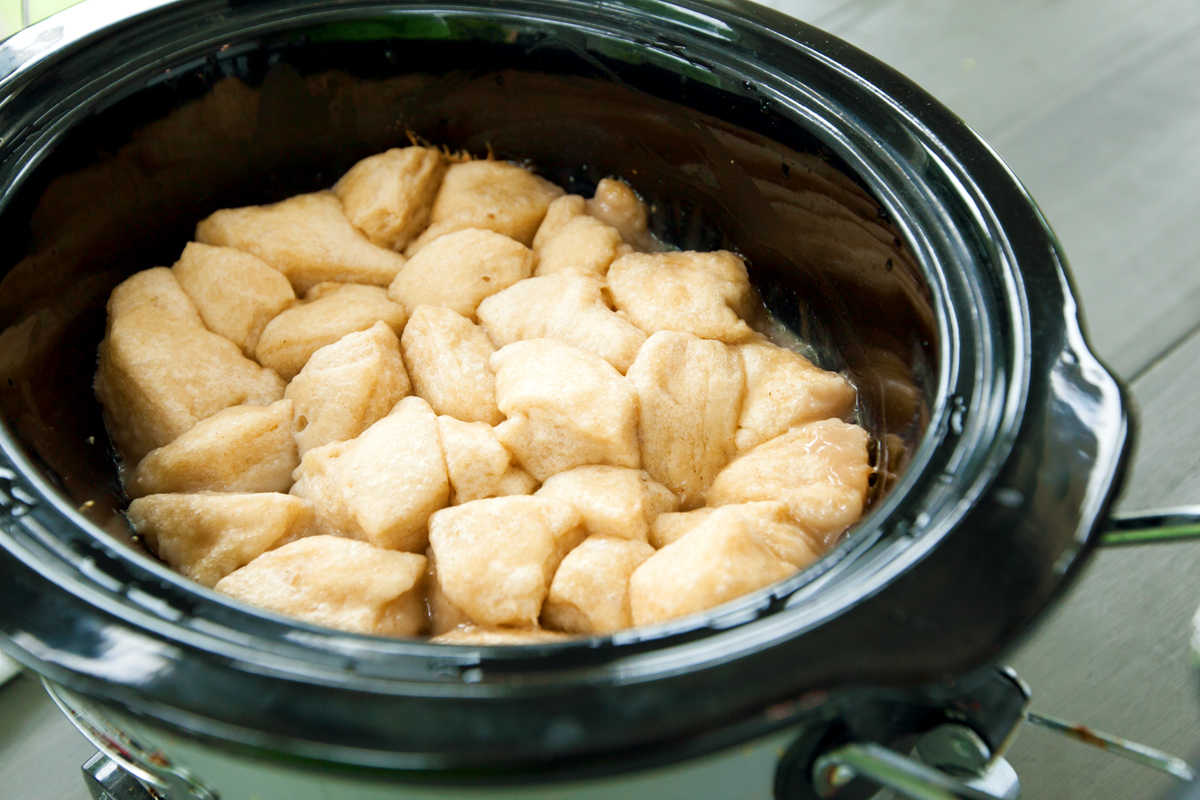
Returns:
<point x="1095" y="104"/>
<point x="14" y="13"/>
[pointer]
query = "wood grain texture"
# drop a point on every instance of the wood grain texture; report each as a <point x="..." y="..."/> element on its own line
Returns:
<point x="1096" y="107"/>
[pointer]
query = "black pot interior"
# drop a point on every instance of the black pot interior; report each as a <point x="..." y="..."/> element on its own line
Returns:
<point x="262" y="118"/>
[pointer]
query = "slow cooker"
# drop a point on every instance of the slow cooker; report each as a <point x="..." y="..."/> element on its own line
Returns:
<point x="1001" y="440"/>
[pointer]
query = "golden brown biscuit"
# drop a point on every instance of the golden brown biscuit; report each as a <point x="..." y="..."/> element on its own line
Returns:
<point x="497" y="557"/>
<point x="238" y="449"/>
<point x="590" y="590"/>
<point x="584" y="245"/>
<point x="718" y="561"/>
<point x="207" y="536"/>
<point x="447" y="359"/>
<point x="493" y="195"/>
<point x="566" y="408"/>
<point x="784" y="389"/>
<point x="236" y="293"/>
<point x="614" y="501"/>
<point x="338" y="583"/>
<point x="616" y="204"/>
<point x="563" y="306"/>
<point x="769" y="520"/>
<point x="478" y="465"/>
<point x="690" y="394"/>
<point x="161" y="371"/>
<point x="671" y="526"/>
<point x="459" y="270"/>
<point x="307" y="238"/>
<point x="348" y="386"/>
<point x="330" y="312"/>
<point x="382" y="486"/>
<point x="704" y="294"/>
<point x="558" y="214"/>
<point x="389" y="196"/>
<point x="820" y="470"/>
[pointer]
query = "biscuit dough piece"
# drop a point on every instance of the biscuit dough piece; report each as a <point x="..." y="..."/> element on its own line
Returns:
<point x="614" y="501"/>
<point x="447" y="359"/>
<point x="444" y="616"/>
<point x="563" y="306"/>
<point x="389" y="196"/>
<point x="617" y="205"/>
<point x="690" y="394"/>
<point x="785" y="389"/>
<point x="307" y="238"/>
<point x="590" y="591"/>
<point x="769" y="521"/>
<point x="497" y="557"/>
<point x="820" y="470"/>
<point x="382" y="486"/>
<point x="704" y="294"/>
<point x="337" y="583"/>
<point x="493" y="195"/>
<point x="236" y="293"/>
<point x="671" y="526"/>
<point x="331" y="312"/>
<point x="238" y="449"/>
<point x="561" y="211"/>
<point x="721" y="559"/>
<point x="460" y="269"/>
<point x="478" y="465"/>
<point x="566" y="408"/>
<point x="161" y="371"/>
<point x="205" y="537"/>
<point x="348" y="386"/>
<point x="473" y="634"/>
<point x="584" y="245"/>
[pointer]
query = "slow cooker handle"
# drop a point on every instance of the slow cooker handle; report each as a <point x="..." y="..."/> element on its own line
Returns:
<point x="152" y="769"/>
<point x="905" y="776"/>
<point x="1154" y="526"/>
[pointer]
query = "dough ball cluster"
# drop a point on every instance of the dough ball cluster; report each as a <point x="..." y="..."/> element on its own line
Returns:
<point x="445" y="398"/>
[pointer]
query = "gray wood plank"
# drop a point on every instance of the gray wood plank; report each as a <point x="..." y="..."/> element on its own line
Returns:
<point x="1096" y="106"/>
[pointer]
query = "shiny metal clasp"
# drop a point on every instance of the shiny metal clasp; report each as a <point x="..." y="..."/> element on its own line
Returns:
<point x="153" y="771"/>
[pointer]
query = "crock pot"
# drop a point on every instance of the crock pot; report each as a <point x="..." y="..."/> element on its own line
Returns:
<point x="1001" y="438"/>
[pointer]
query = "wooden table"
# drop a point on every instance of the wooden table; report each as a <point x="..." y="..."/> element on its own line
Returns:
<point x="1096" y="106"/>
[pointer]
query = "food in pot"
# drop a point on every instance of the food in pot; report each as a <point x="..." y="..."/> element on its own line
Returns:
<point x="161" y="370"/>
<point x="336" y="582"/>
<point x="447" y="398"/>
<point x="307" y="238"/>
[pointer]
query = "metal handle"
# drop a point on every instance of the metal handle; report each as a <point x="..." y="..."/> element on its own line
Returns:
<point x="106" y="780"/>
<point x="1154" y="526"/>
<point x="153" y="769"/>
<point x="1142" y="754"/>
<point x="889" y="769"/>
